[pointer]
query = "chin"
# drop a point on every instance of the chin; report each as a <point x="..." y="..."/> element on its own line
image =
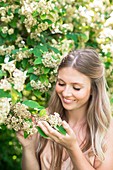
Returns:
<point x="67" y="107"/>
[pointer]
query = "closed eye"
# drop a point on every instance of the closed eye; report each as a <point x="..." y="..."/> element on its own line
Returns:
<point x="75" y="88"/>
<point x="61" y="84"/>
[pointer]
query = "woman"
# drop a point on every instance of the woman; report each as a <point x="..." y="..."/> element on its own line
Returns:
<point x="81" y="99"/>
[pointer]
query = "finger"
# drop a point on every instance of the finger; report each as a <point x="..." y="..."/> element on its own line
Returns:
<point x="41" y="125"/>
<point x="67" y="128"/>
<point x="33" y="119"/>
<point x="53" y="133"/>
<point x="20" y="133"/>
<point x="19" y="136"/>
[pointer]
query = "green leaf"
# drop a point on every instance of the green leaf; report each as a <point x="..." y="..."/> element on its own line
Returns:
<point x="25" y="63"/>
<point x="111" y="100"/>
<point x="45" y="70"/>
<point x="13" y="23"/>
<point x="84" y="37"/>
<point x="16" y="11"/>
<point x="30" y="70"/>
<point x="35" y="14"/>
<point x="28" y="87"/>
<point x="33" y="77"/>
<point x="39" y="49"/>
<point x="72" y="36"/>
<point x="4" y="94"/>
<point x="22" y="18"/>
<point x="1" y="59"/>
<point x="25" y="134"/>
<point x="12" y="37"/>
<point x="1" y="40"/>
<point x="30" y="42"/>
<point x="14" y="51"/>
<point x="9" y="11"/>
<point x="42" y="112"/>
<point x="53" y="49"/>
<point x="43" y="48"/>
<point x="43" y="17"/>
<point x="14" y="95"/>
<point x="37" y="93"/>
<point x="60" y="129"/>
<point x="48" y="21"/>
<point x="36" y="51"/>
<point x="43" y="78"/>
<point x="38" y="60"/>
<point x="31" y="104"/>
<point x="3" y="35"/>
<point x="41" y="132"/>
<point x="2" y="74"/>
<point x="28" y="120"/>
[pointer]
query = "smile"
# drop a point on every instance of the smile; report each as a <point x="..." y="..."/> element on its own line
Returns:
<point x="67" y="101"/>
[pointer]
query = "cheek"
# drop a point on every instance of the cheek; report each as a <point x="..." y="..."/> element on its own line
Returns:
<point x="83" y="95"/>
<point x="58" y="89"/>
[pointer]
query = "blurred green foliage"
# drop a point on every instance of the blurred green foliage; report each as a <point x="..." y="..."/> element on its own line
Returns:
<point x="10" y="150"/>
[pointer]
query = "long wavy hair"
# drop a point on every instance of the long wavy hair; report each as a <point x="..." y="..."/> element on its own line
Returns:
<point x="98" y="113"/>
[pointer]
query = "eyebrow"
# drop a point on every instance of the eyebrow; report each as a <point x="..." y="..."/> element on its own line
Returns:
<point x="59" y="79"/>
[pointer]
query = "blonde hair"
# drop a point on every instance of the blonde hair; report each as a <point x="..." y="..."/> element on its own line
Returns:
<point x="98" y="113"/>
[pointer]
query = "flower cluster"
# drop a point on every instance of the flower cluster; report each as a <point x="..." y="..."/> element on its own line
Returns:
<point x="20" y="55"/>
<point x="4" y="109"/>
<point x="42" y="9"/>
<point x="41" y="87"/>
<point x="51" y="59"/>
<point x="53" y="76"/>
<point x="18" y="117"/>
<point x="19" y="78"/>
<point x="16" y="77"/>
<point x="4" y="84"/>
<point x="54" y="120"/>
<point x="4" y="50"/>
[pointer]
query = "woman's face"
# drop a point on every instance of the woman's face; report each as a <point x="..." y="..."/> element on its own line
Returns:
<point x="73" y="88"/>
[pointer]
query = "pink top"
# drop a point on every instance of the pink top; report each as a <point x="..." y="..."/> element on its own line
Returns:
<point x="66" y="164"/>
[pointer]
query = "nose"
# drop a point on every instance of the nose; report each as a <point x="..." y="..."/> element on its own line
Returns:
<point x="67" y="91"/>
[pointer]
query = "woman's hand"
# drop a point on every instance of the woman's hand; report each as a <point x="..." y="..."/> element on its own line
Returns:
<point x="68" y="140"/>
<point x="28" y="143"/>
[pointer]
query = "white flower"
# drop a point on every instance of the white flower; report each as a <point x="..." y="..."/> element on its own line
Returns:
<point x="4" y="84"/>
<point x="42" y="87"/>
<point x="10" y="66"/>
<point x="19" y="79"/>
<point x="4" y="109"/>
<point x="10" y="31"/>
<point x="4" y="30"/>
<point x="51" y="59"/>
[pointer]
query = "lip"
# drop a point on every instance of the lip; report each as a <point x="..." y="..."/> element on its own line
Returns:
<point x="67" y="101"/>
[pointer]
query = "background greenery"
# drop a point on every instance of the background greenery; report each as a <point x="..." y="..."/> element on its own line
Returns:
<point x="35" y="35"/>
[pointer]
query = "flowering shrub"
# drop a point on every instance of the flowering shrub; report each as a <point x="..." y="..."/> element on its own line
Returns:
<point x="18" y="117"/>
<point x="36" y="34"/>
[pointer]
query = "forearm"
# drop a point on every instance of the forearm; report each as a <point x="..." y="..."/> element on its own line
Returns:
<point x="78" y="159"/>
<point x="29" y="160"/>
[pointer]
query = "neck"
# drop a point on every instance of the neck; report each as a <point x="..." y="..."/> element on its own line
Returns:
<point x="76" y="118"/>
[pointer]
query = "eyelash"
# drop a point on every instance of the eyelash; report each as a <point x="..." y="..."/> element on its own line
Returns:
<point x="73" y="87"/>
<point x="76" y="88"/>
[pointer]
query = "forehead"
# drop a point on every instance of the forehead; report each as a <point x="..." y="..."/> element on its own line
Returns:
<point x="70" y="75"/>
